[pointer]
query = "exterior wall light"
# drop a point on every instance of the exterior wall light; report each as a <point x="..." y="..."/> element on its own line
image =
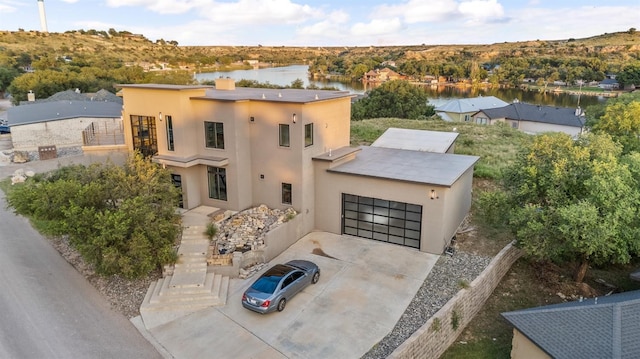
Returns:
<point x="160" y="115"/>
<point x="433" y="194"/>
<point x="252" y="119"/>
<point x="294" y="118"/>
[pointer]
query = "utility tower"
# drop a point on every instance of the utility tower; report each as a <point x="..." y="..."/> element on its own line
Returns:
<point x="43" y="17"/>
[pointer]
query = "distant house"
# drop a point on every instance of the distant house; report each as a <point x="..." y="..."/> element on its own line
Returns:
<point x="534" y="118"/>
<point x="461" y="110"/>
<point x="381" y="75"/>
<point x="61" y="120"/>
<point x="609" y="84"/>
<point x="603" y="327"/>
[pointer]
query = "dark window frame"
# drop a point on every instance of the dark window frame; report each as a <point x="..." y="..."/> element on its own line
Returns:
<point x="170" y="141"/>
<point x="284" y="137"/>
<point x="287" y="193"/>
<point x="217" y="183"/>
<point x="308" y="134"/>
<point x="214" y="135"/>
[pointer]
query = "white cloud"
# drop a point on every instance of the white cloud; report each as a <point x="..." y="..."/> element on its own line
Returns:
<point x="7" y="6"/>
<point x="377" y="27"/>
<point x="263" y="12"/>
<point x="481" y="10"/>
<point x="333" y="26"/>
<point x="162" y="6"/>
<point x="415" y="11"/>
<point x="70" y="1"/>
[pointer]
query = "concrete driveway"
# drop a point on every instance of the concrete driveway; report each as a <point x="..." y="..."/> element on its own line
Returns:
<point x="364" y="288"/>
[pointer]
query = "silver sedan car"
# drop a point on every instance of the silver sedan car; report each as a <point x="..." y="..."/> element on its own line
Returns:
<point x="279" y="284"/>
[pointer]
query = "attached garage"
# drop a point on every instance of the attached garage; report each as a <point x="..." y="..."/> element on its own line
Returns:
<point x="382" y="220"/>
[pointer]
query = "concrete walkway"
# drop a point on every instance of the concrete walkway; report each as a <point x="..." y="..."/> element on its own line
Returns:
<point x="190" y="287"/>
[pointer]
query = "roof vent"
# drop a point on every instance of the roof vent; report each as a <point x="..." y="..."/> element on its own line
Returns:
<point x="316" y="96"/>
<point x="279" y="94"/>
<point x="263" y="96"/>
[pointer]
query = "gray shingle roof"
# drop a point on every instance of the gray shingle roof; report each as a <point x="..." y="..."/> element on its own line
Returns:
<point x="604" y="327"/>
<point x="70" y="95"/>
<point x="60" y="110"/>
<point x="412" y="166"/>
<point x="536" y="113"/>
<point x="470" y="105"/>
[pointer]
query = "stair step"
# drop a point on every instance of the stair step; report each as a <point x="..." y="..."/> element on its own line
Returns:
<point x="183" y="279"/>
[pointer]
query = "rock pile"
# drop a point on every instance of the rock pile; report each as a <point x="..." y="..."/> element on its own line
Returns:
<point x="246" y="229"/>
<point x="20" y="176"/>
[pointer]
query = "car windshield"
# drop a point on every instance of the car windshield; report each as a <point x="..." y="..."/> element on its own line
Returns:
<point x="266" y="284"/>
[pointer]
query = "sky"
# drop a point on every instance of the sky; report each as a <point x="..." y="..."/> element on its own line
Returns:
<point x="331" y="22"/>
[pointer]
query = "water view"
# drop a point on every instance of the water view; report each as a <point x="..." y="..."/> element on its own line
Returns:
<point x="283" y="76"/>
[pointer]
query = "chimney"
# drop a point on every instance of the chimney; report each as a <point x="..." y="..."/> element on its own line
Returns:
<point x="225" y="84"/>
<point x="31" y="97"/>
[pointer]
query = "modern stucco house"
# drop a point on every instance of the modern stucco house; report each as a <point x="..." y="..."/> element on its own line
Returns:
<point x="602" y="327"/>
<point x="462" y="109"/>
<point x="235" y="148"/>
<point x="535" y="119"/>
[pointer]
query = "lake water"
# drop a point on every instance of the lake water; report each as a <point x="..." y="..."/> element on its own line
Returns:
<point x="283" y="76"/>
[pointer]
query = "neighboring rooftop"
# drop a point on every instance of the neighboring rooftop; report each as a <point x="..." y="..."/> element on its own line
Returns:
<point x="416" y="140"/>
<point x="475" y="104"/>
<point x="536" y="113"/>
<point x="60" y="110"/>
<point x="603" y="327"/>
<point x="404" y="165"/>
<point x="74" y="95"/>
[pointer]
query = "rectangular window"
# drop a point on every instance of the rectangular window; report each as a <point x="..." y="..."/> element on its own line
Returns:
<point x="514" y="124"/>
<point x="467" y="118"/>
<point x="144" y="135"/>
<point x="170" y="145"/>
<point x="214" y="134"/>
<point x="308" y="134"/>
<point x="283" y="135"/>
<point x="217" y="183"/>
<point x="481" y="120"/>
<point x="286" y="193"/>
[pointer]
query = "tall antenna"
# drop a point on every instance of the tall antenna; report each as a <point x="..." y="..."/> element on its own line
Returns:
<point x="43" y="17"/>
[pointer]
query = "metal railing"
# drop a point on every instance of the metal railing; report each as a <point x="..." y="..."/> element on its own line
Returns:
<point x="102" y="134"/>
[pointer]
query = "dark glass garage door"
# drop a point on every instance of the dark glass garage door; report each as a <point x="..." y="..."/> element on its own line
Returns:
<point x="382" y="220"/>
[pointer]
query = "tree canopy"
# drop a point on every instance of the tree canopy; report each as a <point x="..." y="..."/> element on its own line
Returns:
<point x="574" y="201"/>
<point x="395" y="98"/>
<point x="121" y="219"/>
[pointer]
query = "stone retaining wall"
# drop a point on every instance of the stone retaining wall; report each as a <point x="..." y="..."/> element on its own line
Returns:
<point x="439" y="332"/>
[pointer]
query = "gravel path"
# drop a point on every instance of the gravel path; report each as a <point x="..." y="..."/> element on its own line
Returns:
<point x="442" y="283"/>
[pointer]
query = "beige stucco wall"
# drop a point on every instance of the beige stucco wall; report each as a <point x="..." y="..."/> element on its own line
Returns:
<point x="523" y="348"/>
<point x="61" y="133"/>
<point x="257" y="165"/>
<point x="436" y="228"/>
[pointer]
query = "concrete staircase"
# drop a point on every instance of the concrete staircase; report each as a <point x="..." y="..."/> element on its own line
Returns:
<point x="190" y="288"/>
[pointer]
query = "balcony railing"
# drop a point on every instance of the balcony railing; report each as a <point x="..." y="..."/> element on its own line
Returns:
<point x="103" y="134"/>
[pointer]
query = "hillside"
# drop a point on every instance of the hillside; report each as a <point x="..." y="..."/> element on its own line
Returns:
<point x="136" y="49"/>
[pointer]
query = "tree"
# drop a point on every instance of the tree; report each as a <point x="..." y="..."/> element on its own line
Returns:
<point x="7" y="74"/>
<point x="395" y="98"/>
<point x="620" y="118"/>
<point x="121" y="219"/>
<point x="574" y="201"/>
<point x="630" y="75"/>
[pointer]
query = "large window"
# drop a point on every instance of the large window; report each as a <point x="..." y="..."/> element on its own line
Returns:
<point x="283" y="135"/>
<point x="143" y="130"/>
<point x="214" y="134"/>
<point x="308" y="134"/>
<point x="217" y="183"/>
<point x="286" y="193"/>
<point x="170" y="145"/>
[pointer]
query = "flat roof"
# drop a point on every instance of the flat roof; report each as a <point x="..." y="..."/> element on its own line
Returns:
<point x="416" y="140"/>
<point x="251" y="94"/>
<point x="440" y="169"/>
<point x="273" y="95"/>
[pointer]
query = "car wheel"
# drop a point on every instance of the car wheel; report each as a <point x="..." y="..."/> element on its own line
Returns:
<point x="315" y="278"/>
<point x="281" y="304"/>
